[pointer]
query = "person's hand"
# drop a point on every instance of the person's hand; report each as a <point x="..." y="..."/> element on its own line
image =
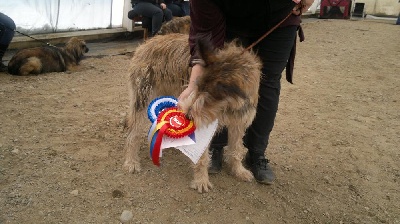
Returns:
<point x="163" y="6"/>
<point x="302" y="7"/>
<point x="186" y="93"/>
<point x="196" y="72"/>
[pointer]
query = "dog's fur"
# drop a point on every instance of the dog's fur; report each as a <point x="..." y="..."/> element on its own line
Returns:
<point x="33" y="61"/>
<point x="176" y="25"/>
<point x="227" y="91"/>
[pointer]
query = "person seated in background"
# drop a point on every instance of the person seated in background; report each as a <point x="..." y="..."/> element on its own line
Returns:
<point x="156" y="10"/>
<point x="179" y="8"/>
<point x="7" y="27"/>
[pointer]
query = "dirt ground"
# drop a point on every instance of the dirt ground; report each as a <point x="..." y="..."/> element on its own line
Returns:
<point x="334" y="148"/>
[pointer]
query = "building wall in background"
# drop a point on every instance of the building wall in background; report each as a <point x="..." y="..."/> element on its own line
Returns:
<point x="50" y="16"/>
<point x="382" y="7"/>
<point x="389" y="8"/>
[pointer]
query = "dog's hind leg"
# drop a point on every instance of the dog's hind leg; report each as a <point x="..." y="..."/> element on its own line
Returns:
<point x="235" y="151"/>
<point x="32" y="66"/>
<point x="132" y="145"/>
<point x="201" y="181"/>
<point x="134" y="124"/>
<point x="132" y="160"/>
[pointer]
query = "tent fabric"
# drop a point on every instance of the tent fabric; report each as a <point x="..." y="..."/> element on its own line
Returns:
<point x="50" y="16"/>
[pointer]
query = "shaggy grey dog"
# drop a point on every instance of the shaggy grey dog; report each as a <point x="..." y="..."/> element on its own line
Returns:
<point x="228" y="91"/>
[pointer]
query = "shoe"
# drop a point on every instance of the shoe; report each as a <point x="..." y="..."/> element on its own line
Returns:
<point x="216" y="160"/>
<point x="260" y="168"/>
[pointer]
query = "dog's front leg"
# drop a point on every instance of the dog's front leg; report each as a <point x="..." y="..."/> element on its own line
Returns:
<point x="201" y="182"/>
<point x="235" y="152"/>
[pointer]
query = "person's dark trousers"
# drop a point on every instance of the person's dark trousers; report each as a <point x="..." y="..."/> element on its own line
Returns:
<point x="7" y="27"/>
<point x="3" y="49"/>
<point x="274" y="52"/>
<point x="186" y="7"/>
<point x="155" y="13"/>
<point x="176" y="9"/>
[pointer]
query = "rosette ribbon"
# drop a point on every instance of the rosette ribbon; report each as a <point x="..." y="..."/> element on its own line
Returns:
<point x="169" y="122"/>
<point x="159" y="104"/>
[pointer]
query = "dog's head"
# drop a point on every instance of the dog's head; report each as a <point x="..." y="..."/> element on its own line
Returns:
<point x="228" y="86"/>
<point x="77" y="47"/>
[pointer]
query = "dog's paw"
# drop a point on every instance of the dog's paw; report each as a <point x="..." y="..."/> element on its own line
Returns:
<point x="202" y="186"/>
<point x="243" y="174"/>
<point x="131" y="167"/>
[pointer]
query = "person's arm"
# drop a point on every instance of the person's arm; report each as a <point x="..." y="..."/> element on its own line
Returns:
<point x="302" y="6"/>
<point x="197" y="71"/>
<point x="207" y="21"/>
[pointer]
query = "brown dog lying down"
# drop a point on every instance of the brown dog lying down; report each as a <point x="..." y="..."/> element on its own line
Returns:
<point x="33" y="61"/>
<point x="227" y="91"/>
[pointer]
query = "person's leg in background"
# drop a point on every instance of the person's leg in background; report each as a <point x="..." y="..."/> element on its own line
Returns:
<point x="274" y="52"/>
<point x="167" y="15"/>
<point x="175" y="9"/>
<point x="152" y="11"/>
<point x="186" y="7"/>
<point x="7" y="27"/>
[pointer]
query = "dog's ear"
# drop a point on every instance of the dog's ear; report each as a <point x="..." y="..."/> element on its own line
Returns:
<point x="205" y="49"/>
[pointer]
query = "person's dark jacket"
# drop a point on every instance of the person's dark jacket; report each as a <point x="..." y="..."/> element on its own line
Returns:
<point x="252" y="19"/>
<point x="255" y="17"/>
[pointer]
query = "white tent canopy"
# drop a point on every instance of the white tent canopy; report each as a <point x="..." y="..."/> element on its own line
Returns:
<point x="49" y="16"/>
